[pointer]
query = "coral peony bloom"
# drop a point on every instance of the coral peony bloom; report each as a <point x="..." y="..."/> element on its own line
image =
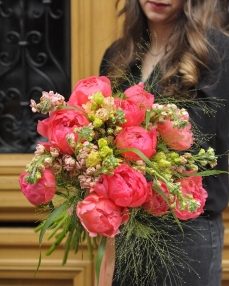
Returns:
<point x="99" y="215"/>
<point x="126" y="187"/>
<point x="87" y="87"/>
<point x="176" y="138"/>
<point x="191" y="185"/>
<point x="42" y="192"/>
<point x="141" y="97"/>
<point x="133" y="113"/>
<point x="137" y="137"/>
<point x="156" y="204"/>
<point x="59" y="125"/>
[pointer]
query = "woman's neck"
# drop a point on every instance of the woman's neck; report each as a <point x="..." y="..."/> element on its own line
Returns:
<point x="157" y="48"/>
<point x="159" y="35"/>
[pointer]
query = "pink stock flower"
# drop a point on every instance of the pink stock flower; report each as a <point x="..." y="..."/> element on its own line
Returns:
<point x="99" y="215"/>
<point x="39" y="149"/>
<point x="59" y="125"/>
<point x="40" y="193"/>
<point x="137" y="137"/>
<point x="87" y="87"/>
<point x="156" y="204"/>
<point x="193" y="186"/>
<point x="176" y="138"/>
<point x="140" y="96"/>
<point x="126" y="187"/>
<point x="134" y="115"/>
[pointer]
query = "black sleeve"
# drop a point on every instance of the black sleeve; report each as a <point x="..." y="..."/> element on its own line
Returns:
<point x="214" y="87"/>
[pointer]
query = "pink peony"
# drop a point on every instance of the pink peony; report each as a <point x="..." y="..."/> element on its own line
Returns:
<point x="137" y="137"/>
<point x="87" y="87"/>
<point x="126" y="188"/>
<point x="134" y="115"/>
<point x="156" y="204"/>
<point x="40" y="193"/>
<point x="176" y="138"/>
<point x="59" y="125"/>
<point x="141" y="97"/>
<point x="191" y="185"/>
<point x="99" y="215"/>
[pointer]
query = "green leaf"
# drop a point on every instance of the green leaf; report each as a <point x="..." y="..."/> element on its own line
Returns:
<point x="71" y="107"/>
<point x="89" y="246"/>
<point x="39" y="227"/>
<point x="39" y="264"/>
<point x="58" y="211"/>
<point x="148" y="112"/>
<point x="77" y="240"/>
<point x="61" y="195"/>
<point x="58" y="225"/>
<point x="205" y="173"/>
<point x="146" y="160"/>
<point x="141" y="230"/>
<point x="68" y="242"/>
<point x="99" y="258"/>
<point x="60" y="236"/>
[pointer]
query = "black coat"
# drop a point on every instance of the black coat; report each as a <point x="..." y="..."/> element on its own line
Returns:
<point x="212" y="84"/>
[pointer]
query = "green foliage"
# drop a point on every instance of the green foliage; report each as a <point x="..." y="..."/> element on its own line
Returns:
<point x="147" y="244"/>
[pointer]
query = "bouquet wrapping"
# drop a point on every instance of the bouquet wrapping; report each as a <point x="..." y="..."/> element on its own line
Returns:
<point x="112" y="165"/>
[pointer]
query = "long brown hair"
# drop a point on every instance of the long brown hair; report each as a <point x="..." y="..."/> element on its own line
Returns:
<point x="183" y="63"/>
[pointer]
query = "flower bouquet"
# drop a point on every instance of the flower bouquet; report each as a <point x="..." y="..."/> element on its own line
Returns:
<point x="116" y="165"/>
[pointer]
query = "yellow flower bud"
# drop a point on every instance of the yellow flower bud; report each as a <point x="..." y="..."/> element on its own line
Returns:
<point x="102" y="142"/>
<point x="105" y="151"/>
<point x="38" y="175"/>
<point x="94" y="106"/>
<point x="202" y="151"/>
<point x="93" y="159"/>
<point x="98" y="98"/>
<point x="97" y="122"/>
<point x="91" y="117"/>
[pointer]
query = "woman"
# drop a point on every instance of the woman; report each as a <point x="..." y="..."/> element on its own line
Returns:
<point x="180" y="48"/>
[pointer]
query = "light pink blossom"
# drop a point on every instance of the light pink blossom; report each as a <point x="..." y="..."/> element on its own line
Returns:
<point x="191" y="186"/>
<point x="87" y="87"/>
<point x="156" y="204"/>
<point x="139" y="138"/>
<point x="134" y="115"/>
<point x="176" y="138"/>
<point x="126" y="187"/>
<point x="140" y="96"/>
<point x="99" y="216"/>
<point x="59" y="125"/>
<point x="42" y="192"/>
